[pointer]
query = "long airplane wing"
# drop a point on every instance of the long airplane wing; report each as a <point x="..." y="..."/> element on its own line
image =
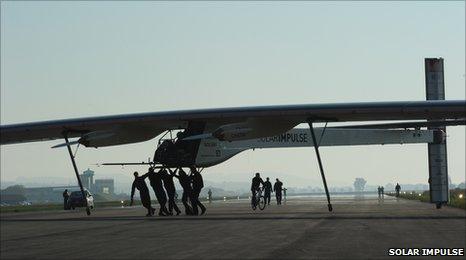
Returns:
<point x="131" y="128"/>
<point x="410" y="124"/>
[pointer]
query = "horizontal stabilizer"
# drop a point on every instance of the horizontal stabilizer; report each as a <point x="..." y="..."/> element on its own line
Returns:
<point x="127" y="163"/>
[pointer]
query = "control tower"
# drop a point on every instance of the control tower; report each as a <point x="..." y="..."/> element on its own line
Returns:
<point x="87" y="179"/>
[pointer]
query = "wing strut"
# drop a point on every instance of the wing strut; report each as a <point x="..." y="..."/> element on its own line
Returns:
<point x="316" y="147"/>
<point x="68" y="145"/>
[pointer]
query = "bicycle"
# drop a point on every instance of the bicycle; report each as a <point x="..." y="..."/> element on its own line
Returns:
<point x="258" y="200"/>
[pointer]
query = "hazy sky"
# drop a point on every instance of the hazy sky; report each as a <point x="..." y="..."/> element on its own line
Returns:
<point x="74" y="59"/>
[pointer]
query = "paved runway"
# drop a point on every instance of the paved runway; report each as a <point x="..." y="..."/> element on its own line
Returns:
<point x="359" y="227"/>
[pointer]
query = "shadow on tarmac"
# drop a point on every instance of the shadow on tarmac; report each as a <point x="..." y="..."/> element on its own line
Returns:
<point x="221" y="218"/>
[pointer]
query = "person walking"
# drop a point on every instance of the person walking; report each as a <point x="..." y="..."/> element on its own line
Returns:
<point x="267" y="190"/>
<point x="66" y="197"/>
<point x="398" y="189"/>
<point x="209" y="193"/>
<point x="277" y="188"/>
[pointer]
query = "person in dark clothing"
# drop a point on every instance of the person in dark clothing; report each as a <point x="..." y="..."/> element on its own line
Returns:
<point x="155" y="180"/>
<point x="256" y="182"/>
<point x="185" y="183"/>
<point x="210" y="196"/>
<point x="277" y="188"/>
<point x="66" y="196"/>
<point x="140" y="184"/>
<point x="267" y="190"/>
<point x="170" y="188"/>
<point x="198" y="184"/>
<point x="397" y="189"/>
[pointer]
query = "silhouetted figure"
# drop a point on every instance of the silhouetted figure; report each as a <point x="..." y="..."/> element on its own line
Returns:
<point x="284" y="194"/>
<point x="198" y="184"/>
<point x="185" y="183"/>
<point x="277" y="188"/>
<point x="209" y="193"/>
<point x="397" y="189"/>
<point x="170" y="188"/>
<point x="267" y="190"/>
<point x="255" y="185"/>
<point x="379" y="191"/>
<point x="155" y="180"/>
<point x="140" y="184"/>
<point x="382" y="191"/>
<point x="66" y="196"/>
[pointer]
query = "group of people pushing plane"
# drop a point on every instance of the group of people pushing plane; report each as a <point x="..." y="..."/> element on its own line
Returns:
<point x="161" y="182"/>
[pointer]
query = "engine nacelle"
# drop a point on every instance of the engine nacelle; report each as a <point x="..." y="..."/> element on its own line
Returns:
<point x="251" y="129"/>
<point x="116" y="137"/>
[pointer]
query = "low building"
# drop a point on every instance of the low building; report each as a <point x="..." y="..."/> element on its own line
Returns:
<point x="106" y="186"/>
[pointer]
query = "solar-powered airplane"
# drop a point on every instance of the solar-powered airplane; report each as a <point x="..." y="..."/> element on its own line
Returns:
<point x="207" y="137"/>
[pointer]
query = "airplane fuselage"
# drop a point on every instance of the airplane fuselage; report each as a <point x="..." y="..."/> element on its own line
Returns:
<point x="212" y="151"/>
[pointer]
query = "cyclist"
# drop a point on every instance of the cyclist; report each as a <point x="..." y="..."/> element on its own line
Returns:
<point x="256" y="182"/>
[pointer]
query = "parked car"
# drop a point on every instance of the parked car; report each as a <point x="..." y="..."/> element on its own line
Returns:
<point x="76" y="200"/>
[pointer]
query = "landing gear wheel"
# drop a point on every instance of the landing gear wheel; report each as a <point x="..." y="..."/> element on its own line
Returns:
<point x="88" y="211"/>
<point x="261" y="203"/>
<point x="330" y="207"/>
<point x="438" y="205"/>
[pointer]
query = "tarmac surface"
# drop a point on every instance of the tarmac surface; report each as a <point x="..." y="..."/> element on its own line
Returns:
<point x="359" y="227"/>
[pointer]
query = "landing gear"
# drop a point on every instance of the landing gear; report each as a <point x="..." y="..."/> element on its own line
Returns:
<point x="316" y="147"/>
<point x="88" y="211"/>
